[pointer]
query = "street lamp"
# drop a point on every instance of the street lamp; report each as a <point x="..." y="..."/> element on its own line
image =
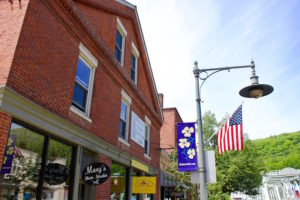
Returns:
<point x="255" y="90"/>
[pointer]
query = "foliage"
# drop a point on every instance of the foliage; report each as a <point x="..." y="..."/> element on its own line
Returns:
<point x="182" y="177"/>
<point x="280" y="151"/>
<point x="210" y="126"/>
<point x="240" y="170"/>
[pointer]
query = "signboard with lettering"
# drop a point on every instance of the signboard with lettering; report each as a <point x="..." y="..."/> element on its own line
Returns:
<point x="143" y="185"/>
<point x="137" y="129"/>
<point x="95" y="173"/>
<point x="55" y="173"/>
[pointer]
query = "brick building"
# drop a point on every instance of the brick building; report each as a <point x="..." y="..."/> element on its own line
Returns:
<point x="168" y="141"/>
<point x="76" y="87"/>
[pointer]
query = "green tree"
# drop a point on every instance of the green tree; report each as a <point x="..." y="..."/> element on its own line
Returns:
<point x="240" y="170"/>
<point x="183" y="178"/>
<point x="210" y="126"/>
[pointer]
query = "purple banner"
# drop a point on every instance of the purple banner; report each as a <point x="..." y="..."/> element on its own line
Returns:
<point x="186" y="147"/>
<point x="8" y="155"/>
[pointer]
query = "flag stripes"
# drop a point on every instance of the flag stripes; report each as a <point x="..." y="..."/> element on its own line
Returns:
<point x="230" y="135"/>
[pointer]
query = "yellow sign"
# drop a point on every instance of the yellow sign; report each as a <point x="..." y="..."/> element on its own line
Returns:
<point x="143" y="185"/>
<point x="139" y="165"/>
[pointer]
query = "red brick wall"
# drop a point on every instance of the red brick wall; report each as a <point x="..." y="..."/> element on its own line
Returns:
<point x="44" y="69"/>
<point x="5" y="122"/>
<point x="11" y="19"/>
<point x="168" y="132"/>
<point x="105" y="23"/>
<point x="45" y="63"/>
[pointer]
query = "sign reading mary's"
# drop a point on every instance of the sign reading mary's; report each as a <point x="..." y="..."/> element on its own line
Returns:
<point x="186" y="147"/>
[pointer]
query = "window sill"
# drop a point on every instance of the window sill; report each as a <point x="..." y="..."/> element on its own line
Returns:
<point x="147" y="156"/>
<point x="124" y="141"/>
<point x="80" y="114"/>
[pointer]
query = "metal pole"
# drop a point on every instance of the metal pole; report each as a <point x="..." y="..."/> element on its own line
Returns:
<point x="200" y="147"/>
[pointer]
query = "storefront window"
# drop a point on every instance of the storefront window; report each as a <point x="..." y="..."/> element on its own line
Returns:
<point x="118" y="182"/>
<point x="24" y="161"/>
<point x="57" y="173"/>
<point x="86" y="191"/>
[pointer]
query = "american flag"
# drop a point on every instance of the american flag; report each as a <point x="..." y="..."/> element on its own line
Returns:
<point x="230" y="135"/>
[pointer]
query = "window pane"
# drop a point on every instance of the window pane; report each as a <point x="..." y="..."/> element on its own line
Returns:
<point x="79" y="97"/>
<point x="83" y="73"/>
<point x="23" y="161"/>
<point x="122" y="129"/>
<point x="123" y="110"/>
<point x="133" y="66"/>
<point x="146" y="147"/>
<point x="118" y="54"/>
<point x="118" y="182"/>
<point x="119" y="39"/>
<point x="118" y="49"/>
<point x="57" y="172"/>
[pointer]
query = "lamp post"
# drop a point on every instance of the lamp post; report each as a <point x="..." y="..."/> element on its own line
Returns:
<point x="255" y="90"/>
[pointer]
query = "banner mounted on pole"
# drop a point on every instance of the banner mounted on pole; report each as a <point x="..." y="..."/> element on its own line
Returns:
<point x="186" y="147"/>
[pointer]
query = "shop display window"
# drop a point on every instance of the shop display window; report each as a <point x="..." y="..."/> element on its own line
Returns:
<point x="35" y="166"/>
<point x="118" y="182"/>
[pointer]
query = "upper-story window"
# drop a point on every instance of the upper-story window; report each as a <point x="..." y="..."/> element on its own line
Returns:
<point x="124" y="116"/>
<point x="84" y="80"/>
<point x="134" y="63"/>
<point x="147" y="136"/>
<point x="121" y="34"/>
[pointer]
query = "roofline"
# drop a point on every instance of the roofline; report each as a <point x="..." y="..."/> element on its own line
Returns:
<point x="175" y="109"/>
<point x="126" y="3"/>
<point x="148" y="60"/>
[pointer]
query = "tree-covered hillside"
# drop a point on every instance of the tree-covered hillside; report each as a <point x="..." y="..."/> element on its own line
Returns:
<point x="280" y="151"/>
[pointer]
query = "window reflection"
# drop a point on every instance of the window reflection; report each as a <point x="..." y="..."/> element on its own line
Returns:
<point x="57" y="172"/>
<point x="20" y="180"/>
<point x="118" y="182"/>
<point x="23" y="161"/>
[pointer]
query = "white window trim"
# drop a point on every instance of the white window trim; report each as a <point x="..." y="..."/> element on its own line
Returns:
<point x="122" y="30"/>
<point x="92" y="62"/>
<point x="148" y="125"/>
<point x="136" y="54"/>
<point x="127" y="100"/>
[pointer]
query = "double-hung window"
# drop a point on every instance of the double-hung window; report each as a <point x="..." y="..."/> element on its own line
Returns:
<point x="124" y="116"/>
<point x="147" y="136"/>
<point x="121" y="34"/>
<point x="134" y="63"/>
<point x="84" y="82"/>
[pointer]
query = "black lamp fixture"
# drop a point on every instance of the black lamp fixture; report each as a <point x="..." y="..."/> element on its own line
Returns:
<point x="255" y="90"/>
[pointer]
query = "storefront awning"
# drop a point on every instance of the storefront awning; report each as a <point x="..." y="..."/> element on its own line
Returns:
<point x="167" y="180"/>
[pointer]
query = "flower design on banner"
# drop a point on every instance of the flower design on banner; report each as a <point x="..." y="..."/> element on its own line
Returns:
<point x="191" y="153"/>
<point x="187" y="131"/>
<point x="183" y="143"/>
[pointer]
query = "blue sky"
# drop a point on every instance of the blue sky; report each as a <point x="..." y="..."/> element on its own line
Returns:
<point x="227" y="33"/>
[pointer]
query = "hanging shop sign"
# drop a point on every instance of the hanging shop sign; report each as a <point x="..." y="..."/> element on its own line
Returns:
<point x="8" y="155"/>
<point x="144" y="185"/>
<point x="186" y="147"/>
<point x="95" y="173"/>
<point x="55" y="173"/>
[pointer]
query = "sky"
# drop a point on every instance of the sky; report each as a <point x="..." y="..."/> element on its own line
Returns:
<point x="221" y="33"/>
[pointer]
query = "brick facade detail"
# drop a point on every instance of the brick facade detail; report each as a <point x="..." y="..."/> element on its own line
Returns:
<point x="5" y="122"/>
<point x="41" y="50"/>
